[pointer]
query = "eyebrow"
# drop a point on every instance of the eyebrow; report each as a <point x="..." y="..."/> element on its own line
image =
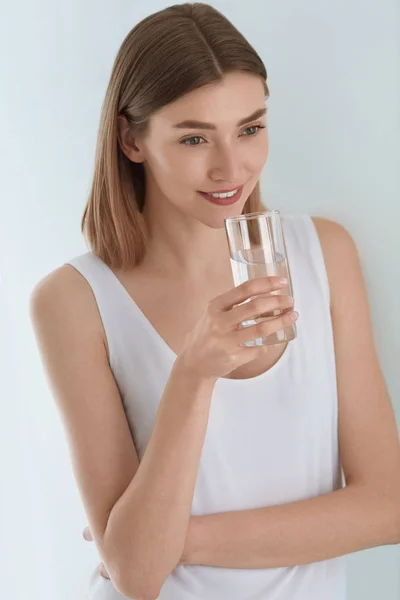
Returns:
<point x="190" y="124"/>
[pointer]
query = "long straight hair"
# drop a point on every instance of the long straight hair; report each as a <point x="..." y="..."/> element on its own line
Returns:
<point x="165" y="56"/>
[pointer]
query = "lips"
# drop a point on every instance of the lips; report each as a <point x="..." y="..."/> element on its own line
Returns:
<point x="223" y="191"/>
<point x="223" y="201"/>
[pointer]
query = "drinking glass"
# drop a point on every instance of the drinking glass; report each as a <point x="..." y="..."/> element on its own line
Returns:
<point x="257" y="249"/>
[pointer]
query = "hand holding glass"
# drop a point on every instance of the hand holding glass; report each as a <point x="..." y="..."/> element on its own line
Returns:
<point x="266" y="256"/>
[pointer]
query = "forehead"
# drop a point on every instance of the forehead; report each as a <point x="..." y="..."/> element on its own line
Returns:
<point x="222" y="103"/>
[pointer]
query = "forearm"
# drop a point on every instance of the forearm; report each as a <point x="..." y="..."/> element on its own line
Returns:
<point x="344" y="521"/>
<point x="148" y="525"/>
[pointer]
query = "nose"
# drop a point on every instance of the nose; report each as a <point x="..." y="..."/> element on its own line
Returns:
<point x="226" y="166"/>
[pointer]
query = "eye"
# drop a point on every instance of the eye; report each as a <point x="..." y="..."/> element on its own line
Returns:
<point x="198" y="137"/>
<point x="256" y="127"/>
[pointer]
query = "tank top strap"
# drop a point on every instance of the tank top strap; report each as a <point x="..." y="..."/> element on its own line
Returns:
<point x="305" y="252"/>
<point x="102" y="282"/>
<point x="131" y="338"/>
<point x="110" y="299"/>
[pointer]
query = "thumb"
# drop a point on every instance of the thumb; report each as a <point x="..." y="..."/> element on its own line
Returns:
<point x="87" y="534"/>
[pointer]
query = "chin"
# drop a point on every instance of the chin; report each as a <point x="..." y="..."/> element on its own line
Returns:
<point x="217" y="221"/>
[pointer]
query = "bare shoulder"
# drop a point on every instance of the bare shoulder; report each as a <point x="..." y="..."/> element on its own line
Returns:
<point x="339" y="251"/>
<point x="331" y="234"/>
<point x="63" y="280"/>
<point x="66" y="293"/>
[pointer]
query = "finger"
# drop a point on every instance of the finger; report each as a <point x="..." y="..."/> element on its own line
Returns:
<point x="87" y="534"/>
<point x="103" y="572"/>
<point x="265" y="328"/>
<point x="260" y="306"/>
<point x="245" y="290"/>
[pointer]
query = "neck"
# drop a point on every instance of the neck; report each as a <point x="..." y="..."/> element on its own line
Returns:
<point x="185" y="249"/>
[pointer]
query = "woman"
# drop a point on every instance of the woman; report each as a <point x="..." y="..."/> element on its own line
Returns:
<point x="208" y="469"/>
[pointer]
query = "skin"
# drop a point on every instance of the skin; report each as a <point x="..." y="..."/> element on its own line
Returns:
<point x="184" y="228"/>
<point x="188" y="232"/>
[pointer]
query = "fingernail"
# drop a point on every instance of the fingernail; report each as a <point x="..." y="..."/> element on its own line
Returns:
<point x="294" y="315"/>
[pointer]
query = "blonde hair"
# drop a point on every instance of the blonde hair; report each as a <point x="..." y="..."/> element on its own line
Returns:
<point x="165" y="56"/>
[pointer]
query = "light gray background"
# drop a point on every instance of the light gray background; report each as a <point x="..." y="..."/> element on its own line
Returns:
<point x="334" y="151"/>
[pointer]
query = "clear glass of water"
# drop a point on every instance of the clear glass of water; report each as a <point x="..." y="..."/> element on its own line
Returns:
<point x="257" y="249"/>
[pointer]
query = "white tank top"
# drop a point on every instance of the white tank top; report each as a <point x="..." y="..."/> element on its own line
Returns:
<point x="271" y="439"/>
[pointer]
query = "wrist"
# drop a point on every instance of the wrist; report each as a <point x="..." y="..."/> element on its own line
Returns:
<point x="193" y="377"/>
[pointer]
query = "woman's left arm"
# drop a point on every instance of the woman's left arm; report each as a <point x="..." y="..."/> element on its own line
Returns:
<point x="364" y="514"/>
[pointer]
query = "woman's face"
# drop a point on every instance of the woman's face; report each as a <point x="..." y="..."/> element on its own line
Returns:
<point x="181" y="160"/>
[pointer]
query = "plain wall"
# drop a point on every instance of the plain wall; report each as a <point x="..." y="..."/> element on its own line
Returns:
<point x="334" y="152"/>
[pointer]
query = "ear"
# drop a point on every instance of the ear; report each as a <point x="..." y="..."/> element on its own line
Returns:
<point x="127" y="141"/>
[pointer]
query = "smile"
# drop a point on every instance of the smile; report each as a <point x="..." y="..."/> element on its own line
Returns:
<point x="223" y="198"/>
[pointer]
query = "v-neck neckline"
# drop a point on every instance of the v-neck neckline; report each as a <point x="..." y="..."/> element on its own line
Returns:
<point x="139" y="311"/>
<point x="156" y="335"/>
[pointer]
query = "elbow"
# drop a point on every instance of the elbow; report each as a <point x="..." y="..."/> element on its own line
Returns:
<point x="131" y="573"/>
<point x="132" y="584"/>
<point x="135" y="591"/>
<point x="128" y="576"/>
<point x="386" y="501"/>
<point x="129" y="580"/>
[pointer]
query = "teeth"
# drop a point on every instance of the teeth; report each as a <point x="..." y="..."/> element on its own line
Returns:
<point x="226" y="195"/>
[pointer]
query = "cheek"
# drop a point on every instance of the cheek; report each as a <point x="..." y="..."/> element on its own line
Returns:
<point x="170" y="170"/>
<point x="190" y="165"/>
<point x="163" y="161"/>
<point x="259" y="154"/>
<point x="179" y="162"/>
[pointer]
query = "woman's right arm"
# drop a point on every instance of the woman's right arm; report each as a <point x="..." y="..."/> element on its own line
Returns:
<point x="149" y="522"/>
<point x="138" y="513"/>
